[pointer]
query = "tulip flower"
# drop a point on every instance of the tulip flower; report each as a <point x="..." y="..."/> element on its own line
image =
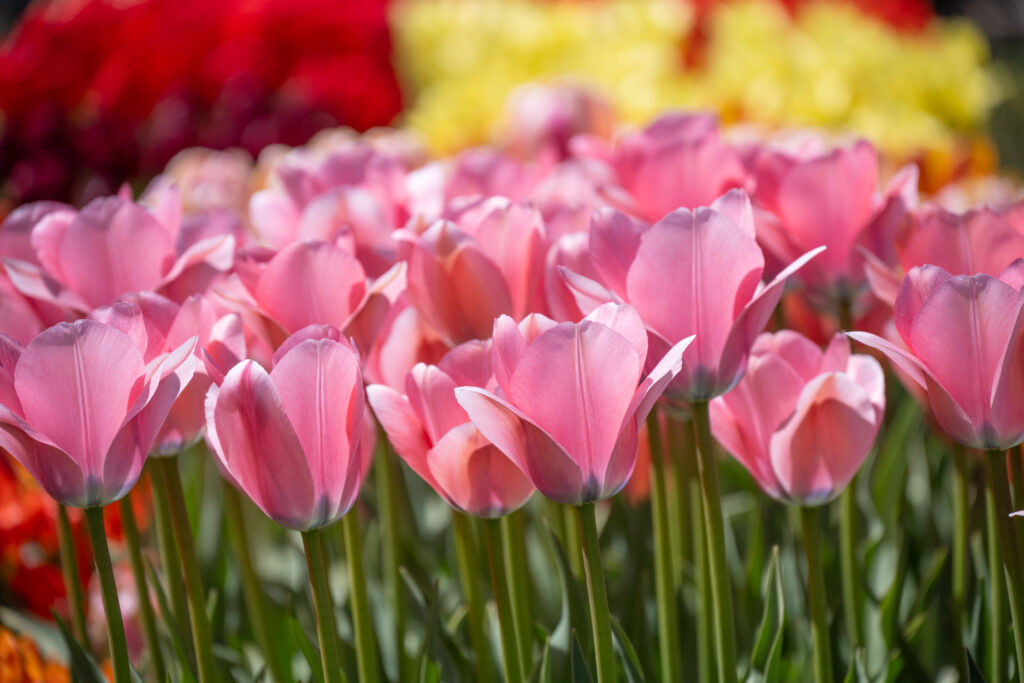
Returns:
<point x="435" y="437"/>
<point x="802" y="420"/>
<point x="963" y="339"/>
<point x="690" y="273"/>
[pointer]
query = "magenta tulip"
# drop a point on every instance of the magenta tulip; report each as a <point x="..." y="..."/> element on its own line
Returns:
<point x="963" y="337"/>
<point x="571" y="399"/>
<point x="433" y="434"/>
<point x="290" y="438"/>
<point x="802" y="420"/>
<point x="81" y="406"/>
<point x="690" y="273"/>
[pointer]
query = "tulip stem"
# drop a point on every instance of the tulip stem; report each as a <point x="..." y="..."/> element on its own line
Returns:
<point x="961" y="524"/>
<point x="600" y="621"/>
<point x="169" y="562"/>
<point x="811" y="524"/>
<point x="997" y="590"/>
<point x="186" y="546"/>
<point x="848" y="562"/>
<point x="469" y="570"/>
<point x="366" y="648"/>
<point x="158" y="672"/>
<point x="323" y="605"/>
<point x="998" y="499"/>
<point x="714" y="528"/>
<point x="72" y="581"/>
<point x="514" y="550"/>
<point x="255" y="600"/>
<point x="669" y="645"/>
<point x="391" y="547"/>
<point x="111" y="604"/>
<point x="572" y="540"/>
<point x="506" y="622"/>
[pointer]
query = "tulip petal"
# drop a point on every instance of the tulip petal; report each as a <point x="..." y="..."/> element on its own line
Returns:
<point x="77" y="383"/>
<point x="623" y="319"/>
<point x="403" y="426"/>
<point x="431" y="395"/>
<point x="904" y="360"/>
<point x="919" y="284"/>
<point x="544" y="462"/>
<point x="588" y="293"/>
<point x="61" y="477"/>
<point x="257" y="445"/>
<point x="614" y="242"/>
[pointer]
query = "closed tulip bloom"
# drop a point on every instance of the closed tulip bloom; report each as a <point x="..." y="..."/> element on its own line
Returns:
<point x="81" y="406"/>
<point x="290" y="438"/>
<point x="963" y="337"/>
<point x="433" y="434"/>
<point x="690" y="273"/>
<point x="802" y="420"/>
<point x="570" y="399"/>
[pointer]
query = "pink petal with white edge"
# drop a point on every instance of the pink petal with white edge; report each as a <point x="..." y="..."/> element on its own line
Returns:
<point x="76" y="383"/>
<point x="900" y="357"/>
<point x="588" y="293"/>
<point x="257" y="445"/>
<point x="919" y="284"/>
<point x="623" y="319"/>
<point x="34" y="283"/>
<point x="544" y="462"/>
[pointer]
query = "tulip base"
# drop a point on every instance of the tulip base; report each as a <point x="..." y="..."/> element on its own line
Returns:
<point x="111" y="604"/>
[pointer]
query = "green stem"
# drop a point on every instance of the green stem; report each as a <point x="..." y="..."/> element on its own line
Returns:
<point x="509" y="643"/>
<point x="169" y="563"/>
<point x="680" y="468"/>
<point x="186" y="546"/>
<point x="572" y="541"/>
<point x="514" y="550"/>
<point x="72" y="580"/>
<point x="961" y="524"/>
<point x="600" y="620"/>
<point x="366" y="648"/>
<point x="323" y="605"/>
<point x="158" y="672"/>
<point x="391" y="548"/>
<point x="466" y="554"/>
<point x="997" y="588"/>
<point x="707" y="667"/>
<point x="255" y="600"/>
<point x="811" y="524"/>
<point x="995" y="475"/>
<point x="848" y="563"/>
<point x="111" y="605"/>
<point x="714" y="526"/>
<point x="669" y="645"/>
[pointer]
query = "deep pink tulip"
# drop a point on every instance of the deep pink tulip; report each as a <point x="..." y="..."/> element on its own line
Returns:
<point x="290" y="439"/>
<point x="801" y="420"/>
<point x="80" y="406"/>
<point x="963" y="337"/>
<point x="433" y="434"/>
<point x="221" y="344"/>
<point x="110" y="248"/>
<point x="677" y="161"/>
<point x="571" y="399"/>
<point x="690" y="273"/>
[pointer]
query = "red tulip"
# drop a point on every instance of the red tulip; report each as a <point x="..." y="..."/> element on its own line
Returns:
<point x="690" y="273"/>
<point x="290" y="438"/>
<point x="433" y="434"/>
<point x="963" y="337"/>
<point x="571" y="399"/>
<point x="82" y="405"/>
<point x="801" y="420"/>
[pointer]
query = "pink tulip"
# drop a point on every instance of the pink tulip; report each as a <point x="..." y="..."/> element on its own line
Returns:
<point x="801" y="420"/>
<point x="963" y="338"/>
<point x="110" y="248"/>
<point x="571" y="399"/>
<point x="221" y="344"/>
<point x="80" y="406"/>
<point x="290" y="439"/>
<point x="690" y="273"/>
<point x="433" y="434"/>
<point x="541" y="119"/>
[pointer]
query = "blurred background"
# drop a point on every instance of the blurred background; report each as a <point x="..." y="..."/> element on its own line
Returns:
<point x="97" y="93"/>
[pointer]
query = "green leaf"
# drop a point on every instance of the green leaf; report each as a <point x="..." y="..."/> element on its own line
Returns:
<point x="440" y="654"/>
<point x="166" y="614"/>
<point x="580" y="672"/>
<point x="545" y="663"/>
<point x="627" y="653"/>
<point x="82" y="666"/>
<point x="310" y="652"/>
<point x="765" y="661"/>
<point x="974" y="674"/>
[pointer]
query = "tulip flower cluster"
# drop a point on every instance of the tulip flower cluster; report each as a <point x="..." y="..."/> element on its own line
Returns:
<point x="507" y="327"/>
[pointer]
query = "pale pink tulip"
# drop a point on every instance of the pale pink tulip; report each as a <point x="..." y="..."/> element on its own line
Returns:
<point x="690" y="273"/>
<point x="290" y="439"/>
<point x="963" y="337"/>
<point x="541" y="119"/>
<point x="433" y="434"/>
<point x="802" y="420"/>
<point x="570" y="399"/>
<point x="80" y="406"/>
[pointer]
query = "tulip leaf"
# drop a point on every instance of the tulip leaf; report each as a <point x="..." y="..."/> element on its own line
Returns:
<point x="166" y="614"/>
<point x="81" y="665"/>
<point x="545" y="663"/>
<point x="574" y="614"/>
<point x="974" y="674"/>
<point x="439" y="654"/>
<point x="309" y="652"/>
<point x="765" y="661"/>
<point x="627" y="653"/>
<point x="579" y="669"/>
<point x="857" y="672"/>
